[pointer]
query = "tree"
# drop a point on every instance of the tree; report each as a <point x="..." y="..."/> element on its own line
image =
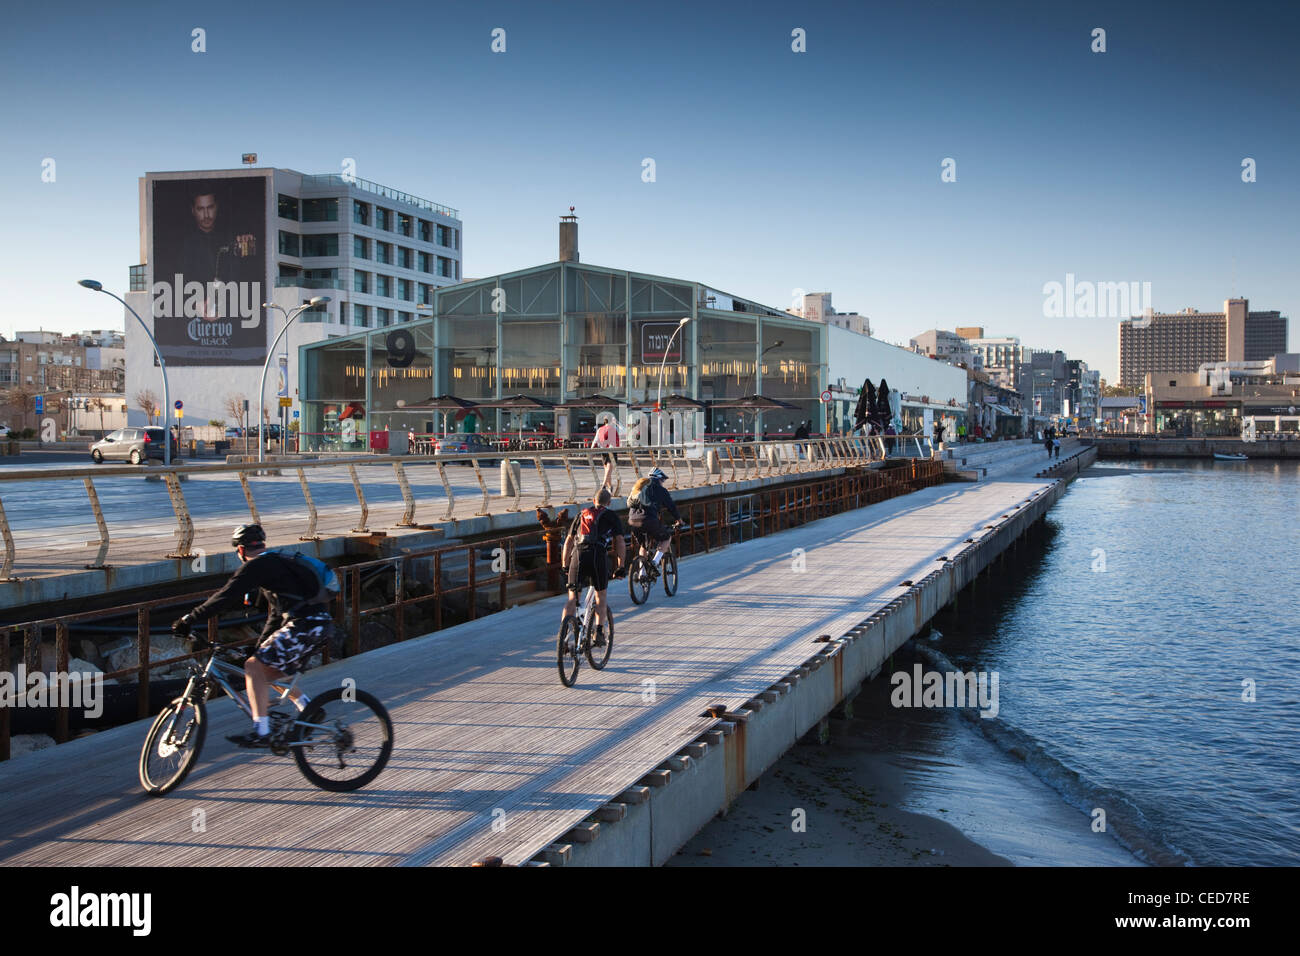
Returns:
<point x="99" y="405"/>
<point x="148" y="401"/>
<point x="217" y="422"/>
<point x="23" y="398"/>
<point x="234" y="406"/>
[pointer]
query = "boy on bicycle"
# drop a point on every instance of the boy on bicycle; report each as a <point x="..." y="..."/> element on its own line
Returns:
<point x="647" y="497"/>
<point x="298" y="622"/>
<point x="585" y="548"/>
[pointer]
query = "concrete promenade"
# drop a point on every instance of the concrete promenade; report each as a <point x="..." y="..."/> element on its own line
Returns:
<point x="485" y="733"/>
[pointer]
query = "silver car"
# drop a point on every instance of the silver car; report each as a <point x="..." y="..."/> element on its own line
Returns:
<point x="131" y="444"/>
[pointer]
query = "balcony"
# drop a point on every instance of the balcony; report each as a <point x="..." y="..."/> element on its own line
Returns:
<point x="336" y="181"/>
<point x="299" y="282"/>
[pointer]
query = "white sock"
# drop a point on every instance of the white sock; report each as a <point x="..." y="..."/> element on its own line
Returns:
<point x="658" y="555"/>
<point x="263" y="726"/>
<point x="302" y="702"/>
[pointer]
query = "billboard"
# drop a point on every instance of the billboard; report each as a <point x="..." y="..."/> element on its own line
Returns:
<point x="655" y="339"/>
<point x="209" y="270"/>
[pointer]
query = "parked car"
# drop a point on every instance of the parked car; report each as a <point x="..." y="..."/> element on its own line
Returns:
<point x="233" y="433"/>
<point x="133" y="445"/>
<point x="471" y="444"/>
<point x="4" y="431"/>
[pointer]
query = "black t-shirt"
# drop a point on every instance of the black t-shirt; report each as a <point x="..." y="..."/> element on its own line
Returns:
<point x="282" y="584"/>
<point x="606" y="527"/>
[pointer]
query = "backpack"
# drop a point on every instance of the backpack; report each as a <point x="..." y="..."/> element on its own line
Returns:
<point x="585" y="525"/>
<point x="327" y="582"/>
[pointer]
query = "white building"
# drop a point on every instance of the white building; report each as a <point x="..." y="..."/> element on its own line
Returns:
<point x="926" y="385"/>
<point x="281" y="237"/>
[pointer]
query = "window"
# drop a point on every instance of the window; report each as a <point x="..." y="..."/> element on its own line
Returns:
<point x="426" y="261"/>
<point x="360" y="247"/>
<point x="360" y="281"/>
<point x="288" y="243"/>
<point x="324" y="245"/>
<point x="426" y="294"/>
<point x="405" y="316"/>
<point x="384" y="253"/>
<point x="361" y="316"/>
<point x="137" y="279"/>
<point x="384" y="286"/>
<point x="404" y="289"/>
<point x="444" y="266"/>
<point x="320" y="210"/>
<point x="360" y="212"/>
<point x="383" y="218"/>
<point x="288" y="207"/>
<point x="444" y="236"/>
<point x="404" y="224"/>
<point x="405" y="257"/>
<point x="426" y="230"/>
<point x="383" y="317"/>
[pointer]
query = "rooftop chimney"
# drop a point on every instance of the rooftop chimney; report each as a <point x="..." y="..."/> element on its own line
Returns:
<point x="569" y="237"/>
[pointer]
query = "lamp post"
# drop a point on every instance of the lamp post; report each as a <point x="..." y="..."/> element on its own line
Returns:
<point x="270" y="354"/>
<point x="659" y="415"/>
<point x="97" y="286"/>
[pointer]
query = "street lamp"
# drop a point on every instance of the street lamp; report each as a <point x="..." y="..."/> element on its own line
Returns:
<point x="97" y="286"/>
<point x="270" y="354"/>
<point x="659" y="415"/>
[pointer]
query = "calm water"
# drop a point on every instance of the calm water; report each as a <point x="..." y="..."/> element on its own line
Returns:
<point x="1122" y="687"/>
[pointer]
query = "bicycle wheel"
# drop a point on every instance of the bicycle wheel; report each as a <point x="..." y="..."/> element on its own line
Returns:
<point x="171" y="748"/>
<point x="349" y="746"/>
<point x="670" y="573"/>
<point x="638" y="580"/>
<point x="598" y="657"/>
<point x="566" y="651"/>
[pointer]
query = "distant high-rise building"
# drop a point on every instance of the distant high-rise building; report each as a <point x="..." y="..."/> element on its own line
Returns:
<point x="946" y="346"/>
<point x="1182" y="341"/>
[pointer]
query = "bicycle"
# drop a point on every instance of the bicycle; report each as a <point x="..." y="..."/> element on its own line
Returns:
<point x="318" y="739"/>
<point x="581" y="633"/>
<point x="642" y="573"/>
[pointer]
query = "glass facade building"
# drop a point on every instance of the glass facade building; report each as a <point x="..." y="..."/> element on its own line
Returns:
<point x="561" y="332"/>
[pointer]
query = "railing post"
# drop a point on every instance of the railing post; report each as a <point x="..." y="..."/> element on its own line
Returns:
<point x="248" y="495"/>
<point x="6" y="571"/>
<point x="446" y="487"/>
<point x="361" y="499"/>
<point x="185" y="527"/>
<point x="478" y="473"/>
<point x="61" y="674"/>
<point x="102" y="555"/>
<point x="142" y="661"/>
<point x="408" y="499"/>
<point x="311" y="534"/>
<point x="473" y="584"/>
<point x="573" y="484"/>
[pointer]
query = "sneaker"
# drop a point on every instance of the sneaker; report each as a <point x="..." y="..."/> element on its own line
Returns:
<point x="252" y="739"/>
<point x="600" y="637"/>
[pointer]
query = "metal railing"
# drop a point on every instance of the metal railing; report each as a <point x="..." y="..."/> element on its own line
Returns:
<point x="562" y="478"/>
<point x="426" y="590"/>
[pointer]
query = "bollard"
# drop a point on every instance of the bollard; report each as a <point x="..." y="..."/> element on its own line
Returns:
<point x="712" y="463"/>
<point x="511" y="476"/>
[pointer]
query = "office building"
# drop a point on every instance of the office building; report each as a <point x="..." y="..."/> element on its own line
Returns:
<point x="1181" y="341"/>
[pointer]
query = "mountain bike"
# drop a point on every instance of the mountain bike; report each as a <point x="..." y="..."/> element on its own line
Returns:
<point x="642" y="573"/>
<point x="341" y="741"/>
<point x="584" y="633"/>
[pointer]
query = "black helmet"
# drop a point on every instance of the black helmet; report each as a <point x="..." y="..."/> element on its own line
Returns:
<point x="247" y="534"/>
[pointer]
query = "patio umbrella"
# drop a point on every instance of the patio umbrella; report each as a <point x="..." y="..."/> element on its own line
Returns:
<point x="444" y="404"/>
<point x="591" y="401"/>
<point x="862" y="412"/>
<point x="516" y="403"/>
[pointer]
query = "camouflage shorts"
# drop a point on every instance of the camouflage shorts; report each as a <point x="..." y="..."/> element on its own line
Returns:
<point x="288" y="649"/>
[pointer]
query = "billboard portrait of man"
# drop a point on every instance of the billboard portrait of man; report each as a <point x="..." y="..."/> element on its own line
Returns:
<point x="209" y="270"/>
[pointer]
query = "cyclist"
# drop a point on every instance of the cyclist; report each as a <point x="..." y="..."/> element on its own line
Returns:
<point x="585" y="548"/>
<point x="647" y="497"/>
<point x="298" y="621"/>
<point x="607" y="437"/>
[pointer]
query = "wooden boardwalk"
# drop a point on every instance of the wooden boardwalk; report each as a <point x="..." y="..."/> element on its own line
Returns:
<point x="482" y="723"/>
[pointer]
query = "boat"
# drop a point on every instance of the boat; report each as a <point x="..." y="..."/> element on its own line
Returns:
<point x="1220" y="456"/>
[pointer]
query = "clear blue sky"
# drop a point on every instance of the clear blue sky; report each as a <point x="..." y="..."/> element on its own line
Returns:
<point x="775" y="170"/>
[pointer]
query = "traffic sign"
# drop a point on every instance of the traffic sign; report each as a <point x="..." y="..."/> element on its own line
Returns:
<point x="178" y="404"/>
<point x="285" y="402"/>
<point x="39" y="404"/>
<point x="826" y="395"/>
<point x="180" y="413"/>
<point x="295" y="414"/>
